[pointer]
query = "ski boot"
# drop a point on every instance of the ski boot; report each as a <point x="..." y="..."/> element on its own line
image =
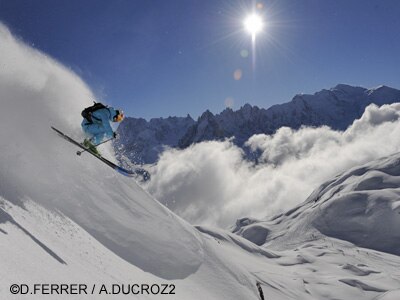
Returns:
<point x="92" y="148"/>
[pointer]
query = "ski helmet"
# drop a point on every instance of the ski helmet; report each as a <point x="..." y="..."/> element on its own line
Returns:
<point x="119" y="116"/>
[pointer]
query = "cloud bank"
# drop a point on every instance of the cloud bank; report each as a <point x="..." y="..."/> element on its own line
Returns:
<point x="212" y="182"/>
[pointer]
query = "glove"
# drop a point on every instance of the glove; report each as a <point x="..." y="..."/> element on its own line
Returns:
<point x="115" y="135"/>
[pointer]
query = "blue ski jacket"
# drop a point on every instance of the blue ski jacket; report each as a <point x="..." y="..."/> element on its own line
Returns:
<point x="100" y="129"/>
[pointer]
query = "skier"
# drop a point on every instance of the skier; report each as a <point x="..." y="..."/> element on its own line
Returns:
<point x="96" y="124"/>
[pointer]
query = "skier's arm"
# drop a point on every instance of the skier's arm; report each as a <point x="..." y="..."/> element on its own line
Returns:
<point x="104" y="114"/>
<point x="108" y="131"/>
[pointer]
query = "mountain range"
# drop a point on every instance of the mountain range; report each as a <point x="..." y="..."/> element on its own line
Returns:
<point x="142" y="141"/>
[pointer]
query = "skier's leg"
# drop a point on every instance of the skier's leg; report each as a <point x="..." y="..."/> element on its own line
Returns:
<point x="95" y="135"/>
<point x="95" y="132"/>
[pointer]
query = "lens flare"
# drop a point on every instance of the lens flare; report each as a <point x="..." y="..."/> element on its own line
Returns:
<point x="237" y="75"/>
<point x="229" y="102"/>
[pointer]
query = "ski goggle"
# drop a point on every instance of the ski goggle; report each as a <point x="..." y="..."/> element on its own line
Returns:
<point x="119" y="117"/>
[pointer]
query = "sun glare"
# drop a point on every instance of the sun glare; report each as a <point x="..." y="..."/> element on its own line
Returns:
<point x="253" y="24"/>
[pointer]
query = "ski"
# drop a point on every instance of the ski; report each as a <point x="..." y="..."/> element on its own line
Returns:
<point x="128" y="173"/>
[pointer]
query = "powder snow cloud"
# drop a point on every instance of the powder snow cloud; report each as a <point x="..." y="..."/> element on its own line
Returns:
<point x="36" y="92"/>
<point x="212" y="182"/>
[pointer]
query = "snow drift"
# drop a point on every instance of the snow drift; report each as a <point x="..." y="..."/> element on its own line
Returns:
<point x="361" y="206"/>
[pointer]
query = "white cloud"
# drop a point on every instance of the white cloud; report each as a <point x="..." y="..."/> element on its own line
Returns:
<point x="212" y="183"/>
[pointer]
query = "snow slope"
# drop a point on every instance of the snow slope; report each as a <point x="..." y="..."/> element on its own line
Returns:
<point x="41" y="246"/>
<point x="70" y="219"/>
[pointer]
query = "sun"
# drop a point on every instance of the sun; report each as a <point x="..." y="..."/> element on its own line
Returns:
<point x="253" y="24"/>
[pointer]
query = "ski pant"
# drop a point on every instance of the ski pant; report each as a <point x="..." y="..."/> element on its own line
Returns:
<point x="96" y="132"/>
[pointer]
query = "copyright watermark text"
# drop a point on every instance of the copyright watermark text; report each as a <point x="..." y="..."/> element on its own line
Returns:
<point x="93" y="289"/>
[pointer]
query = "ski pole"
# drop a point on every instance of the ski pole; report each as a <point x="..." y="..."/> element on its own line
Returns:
<point x="80" y="152"/>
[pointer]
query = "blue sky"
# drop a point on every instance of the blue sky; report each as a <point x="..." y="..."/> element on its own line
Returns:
<point x="173" y="57"/>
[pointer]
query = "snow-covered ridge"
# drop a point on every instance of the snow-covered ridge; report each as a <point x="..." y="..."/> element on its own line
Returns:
<point x="361" y="206"/>
<point x="337" y="108"/>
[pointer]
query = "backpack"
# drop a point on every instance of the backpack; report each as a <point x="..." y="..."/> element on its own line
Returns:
<point x="87" y="112"/>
